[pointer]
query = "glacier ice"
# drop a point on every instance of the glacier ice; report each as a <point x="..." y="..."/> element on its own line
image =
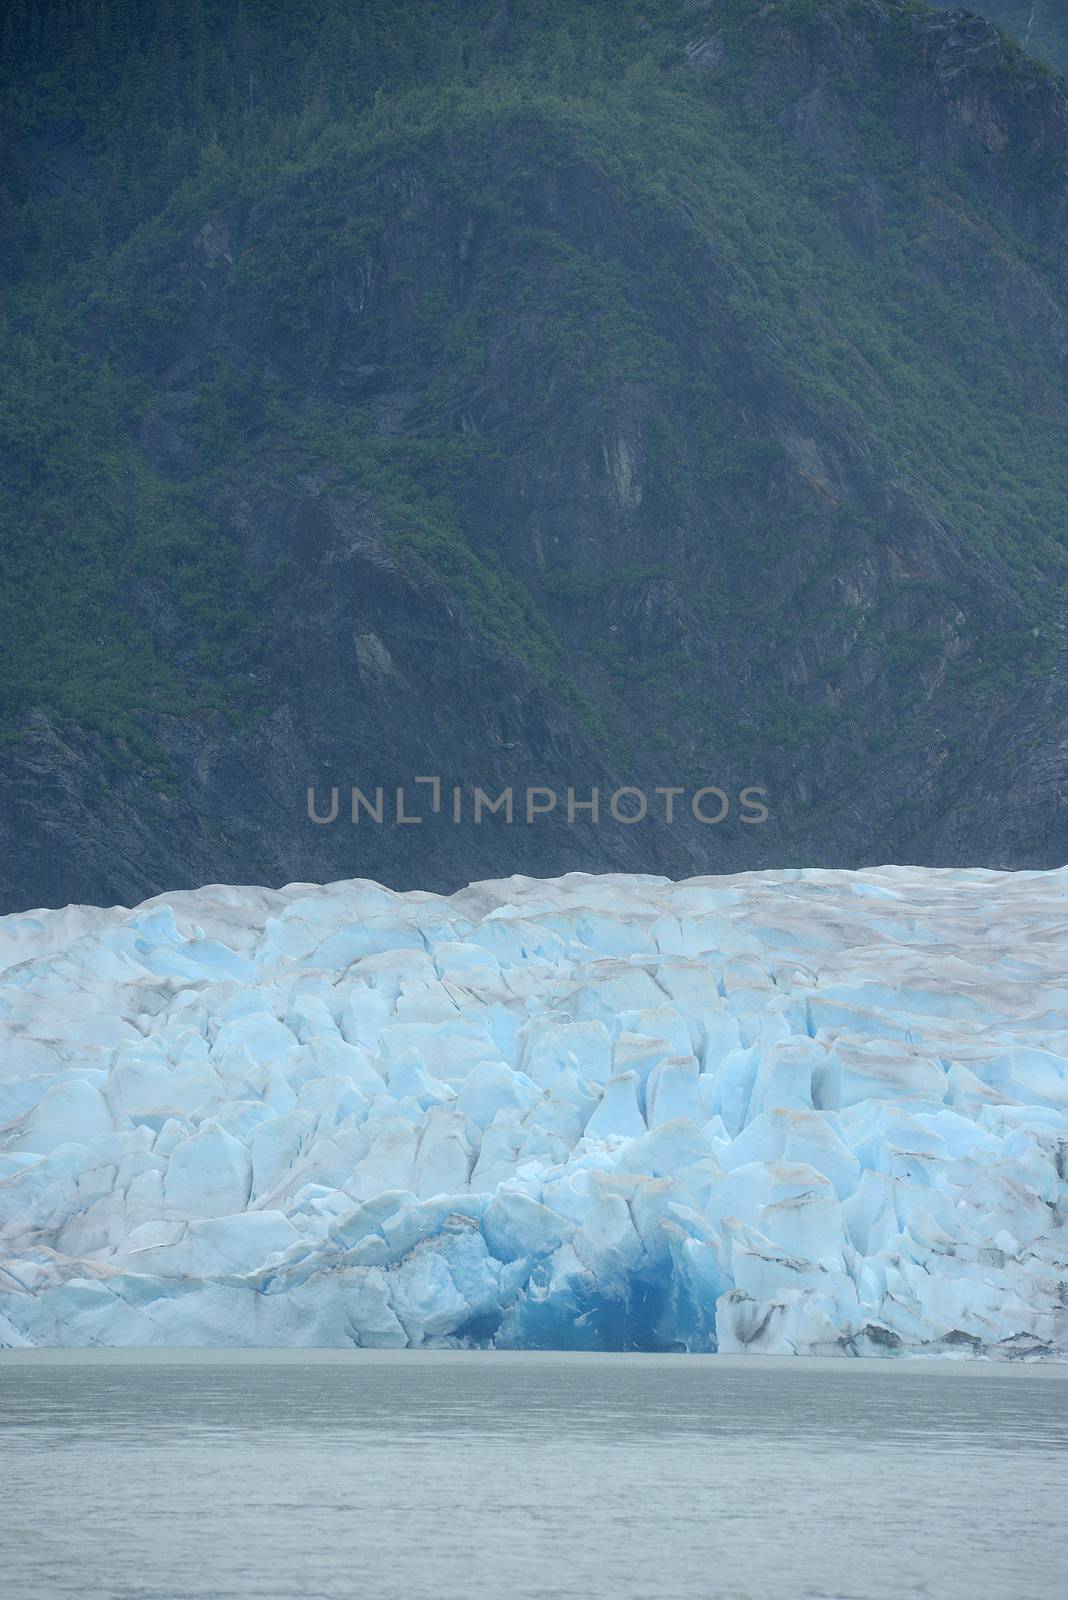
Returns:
<point x="798" y="1111"/>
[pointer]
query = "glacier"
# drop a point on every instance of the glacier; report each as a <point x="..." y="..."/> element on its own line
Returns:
<point x="807" y="1111"/>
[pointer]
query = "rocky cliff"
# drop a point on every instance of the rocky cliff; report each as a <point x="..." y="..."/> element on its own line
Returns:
<point x="1039" y="27"/>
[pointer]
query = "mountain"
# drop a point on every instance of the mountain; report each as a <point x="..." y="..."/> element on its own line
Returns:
<point x="663" y="394"/>
<point x="1039" y="26"/>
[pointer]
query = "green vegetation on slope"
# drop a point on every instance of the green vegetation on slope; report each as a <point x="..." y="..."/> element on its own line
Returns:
<point x="133" y="124"/>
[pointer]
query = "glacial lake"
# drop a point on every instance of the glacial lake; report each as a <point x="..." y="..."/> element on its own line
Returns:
<point x="409" y="1475"/>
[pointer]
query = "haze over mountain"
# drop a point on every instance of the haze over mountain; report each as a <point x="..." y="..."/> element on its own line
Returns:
<point x="651" y="394"/>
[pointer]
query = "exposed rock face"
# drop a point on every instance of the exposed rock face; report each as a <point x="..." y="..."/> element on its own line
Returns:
<point x="545" y="467"/>
<point x="1038" y="26"/>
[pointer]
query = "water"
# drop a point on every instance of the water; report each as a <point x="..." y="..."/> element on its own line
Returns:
<point x="234" y="1475"/>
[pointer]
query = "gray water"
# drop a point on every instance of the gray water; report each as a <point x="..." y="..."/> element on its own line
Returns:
<point x="211" y="1475"/>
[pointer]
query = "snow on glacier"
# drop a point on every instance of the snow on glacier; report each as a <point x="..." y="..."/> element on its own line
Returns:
<point x="804" y="1111"/>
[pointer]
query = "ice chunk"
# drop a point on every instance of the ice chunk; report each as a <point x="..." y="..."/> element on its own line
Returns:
<point x="617" y="1115"/>
<point x="209" y="1175"/>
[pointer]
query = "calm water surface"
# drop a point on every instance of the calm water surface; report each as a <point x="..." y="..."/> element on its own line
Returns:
<point x="129" y="1475"/>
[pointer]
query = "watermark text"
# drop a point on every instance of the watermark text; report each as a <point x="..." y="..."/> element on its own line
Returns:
<point x="404" y="806"/>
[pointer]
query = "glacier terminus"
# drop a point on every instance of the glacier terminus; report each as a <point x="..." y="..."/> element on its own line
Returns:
<point x="809" y="1111"/>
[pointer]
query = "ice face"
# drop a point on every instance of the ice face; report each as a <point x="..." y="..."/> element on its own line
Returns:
<point x="782" y="1112"/>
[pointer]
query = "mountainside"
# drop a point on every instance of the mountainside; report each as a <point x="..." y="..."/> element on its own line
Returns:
<point x="1039" y="26"/>
<point x="663" y="394"/>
